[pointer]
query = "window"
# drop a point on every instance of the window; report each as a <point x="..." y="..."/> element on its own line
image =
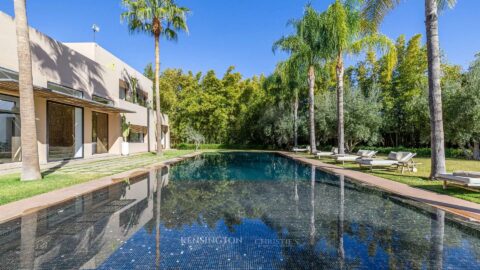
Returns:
<point x="135" y="137"/>
<point x="10" y="150"/>
<point x="64" y="90"/>
<point x="123" y="90"/>
<point x="125" y="93"/>
<point x="102" y="100"/>
<point x="141" y="98"/>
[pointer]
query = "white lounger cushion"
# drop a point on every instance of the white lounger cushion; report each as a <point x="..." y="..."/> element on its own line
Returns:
<point x="467" y="174"/>
<point x="469" y="181"/>
<point x="346" y="158"/>
<point x="377" y="162"/>
<point x="327" y="154"/>
<point x="324" y="154"/>
<point x="360" y="154"/>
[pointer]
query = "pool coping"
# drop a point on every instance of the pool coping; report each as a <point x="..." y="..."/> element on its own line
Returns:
<point x="465" y="209"/>
<point x="38" y="202"/>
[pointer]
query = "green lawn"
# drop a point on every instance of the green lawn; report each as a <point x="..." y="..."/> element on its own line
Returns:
<point x="420" y="178"/>
<point x="12" y="189"/>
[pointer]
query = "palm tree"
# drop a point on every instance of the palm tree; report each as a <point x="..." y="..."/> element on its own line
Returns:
<point x="375" y="10"/>
<point x="345" y="32"/>
<point x="306" y="46"/>
<point x="291" y="72"/>
<point x="157" y="18"/>
<point x="30" y="164"/>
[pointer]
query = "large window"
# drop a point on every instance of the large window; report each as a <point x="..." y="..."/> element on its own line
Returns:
<point x="125" y="93"/>
<point x="135" y="137"/>
<point x="100" y="132"/>
<point x="10" y="150"/>
<point x="65" y="131"/>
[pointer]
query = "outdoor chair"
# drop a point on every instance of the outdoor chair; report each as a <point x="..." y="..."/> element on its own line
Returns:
<point x="297" y="149"/>
<point x="352" y="158"/>
<point x="331" y="154"/>
<point x="396" y="160"/>
<point x="468" y="179"/>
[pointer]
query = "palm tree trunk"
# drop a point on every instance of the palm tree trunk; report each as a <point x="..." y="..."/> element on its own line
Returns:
<point x="295" y="120"/>
<point x="311" y="109"/>
<point x="157" y="95"/>
<point x="435" y="92"/>
<point x="340" y="124"/>
<point x="30" y="163"/>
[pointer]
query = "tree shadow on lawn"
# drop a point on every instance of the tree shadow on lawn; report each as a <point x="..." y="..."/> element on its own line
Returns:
<point x="54" y="168"/>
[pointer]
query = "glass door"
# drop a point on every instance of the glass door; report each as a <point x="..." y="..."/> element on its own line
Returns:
<point x="65" y="131"/>
<point x="100" y="132"/>
<point x="10" y="146"/>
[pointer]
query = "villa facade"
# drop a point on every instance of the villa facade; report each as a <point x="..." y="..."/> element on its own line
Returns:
<point x="81" y="92"/>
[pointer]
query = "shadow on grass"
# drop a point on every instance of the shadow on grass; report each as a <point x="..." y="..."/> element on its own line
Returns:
<point x="54" y="168"/>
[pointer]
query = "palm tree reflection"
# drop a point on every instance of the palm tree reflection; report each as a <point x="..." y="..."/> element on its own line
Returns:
<point x="341" y="251"/>
<point x="296" y="197"/>
<point x="437" y="235"/>
<point x="312" y="205"/>
<point x="160" y="182"/>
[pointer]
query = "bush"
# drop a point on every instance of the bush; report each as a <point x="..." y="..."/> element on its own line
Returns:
<point x="188" y="146"/>
<point x="421" y="152"/>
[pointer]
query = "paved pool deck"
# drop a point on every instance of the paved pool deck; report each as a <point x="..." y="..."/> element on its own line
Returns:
<point x="28" y="205"/>
<point x="462" y="208"/>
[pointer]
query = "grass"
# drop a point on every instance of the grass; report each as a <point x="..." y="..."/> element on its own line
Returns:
<point x="421" y="180"/>
<point x="12" y="189"/>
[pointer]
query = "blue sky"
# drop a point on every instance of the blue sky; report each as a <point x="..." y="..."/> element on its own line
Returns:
<point x="233" y="32"/>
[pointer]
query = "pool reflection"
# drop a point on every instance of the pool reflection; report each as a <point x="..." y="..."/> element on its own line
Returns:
<point x="275" y="214"/>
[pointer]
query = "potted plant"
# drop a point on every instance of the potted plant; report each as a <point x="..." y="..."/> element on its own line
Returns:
<point x="125" y="133"/>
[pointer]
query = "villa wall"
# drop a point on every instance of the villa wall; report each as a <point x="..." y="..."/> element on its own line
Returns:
<point x="81" y="66"/>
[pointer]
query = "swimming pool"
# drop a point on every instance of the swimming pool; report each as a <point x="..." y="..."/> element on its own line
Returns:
<point x="241" y="210"/>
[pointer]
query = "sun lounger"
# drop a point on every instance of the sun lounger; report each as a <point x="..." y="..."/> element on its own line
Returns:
<point x="328" y="154"/>
<point x="352" y="158"/>
<point x="297" y="149"/>
<point x="469" y="179"/>
<point x="403" y="160"/>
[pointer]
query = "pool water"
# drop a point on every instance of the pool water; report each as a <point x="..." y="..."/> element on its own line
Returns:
<point x="239" y="210"/>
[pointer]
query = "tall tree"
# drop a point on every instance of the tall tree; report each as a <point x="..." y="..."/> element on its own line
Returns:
<point x="306" y="45"/>
<point x="30" y="163"/>
<point x="462" y="106"/>
<point x="375" y="10"/>
<point x="157" y="18"/>
<point x="291" y="72"/>
<point x="345" y="31"/>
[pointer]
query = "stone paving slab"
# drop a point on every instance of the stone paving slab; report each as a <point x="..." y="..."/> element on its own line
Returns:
<point x="25" y="206"/>
<point x="463" y="208"/>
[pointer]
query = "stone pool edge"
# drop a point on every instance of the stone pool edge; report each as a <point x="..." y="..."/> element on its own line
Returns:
<point x="465" y="209"/>
<point x="38" y="202"/>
